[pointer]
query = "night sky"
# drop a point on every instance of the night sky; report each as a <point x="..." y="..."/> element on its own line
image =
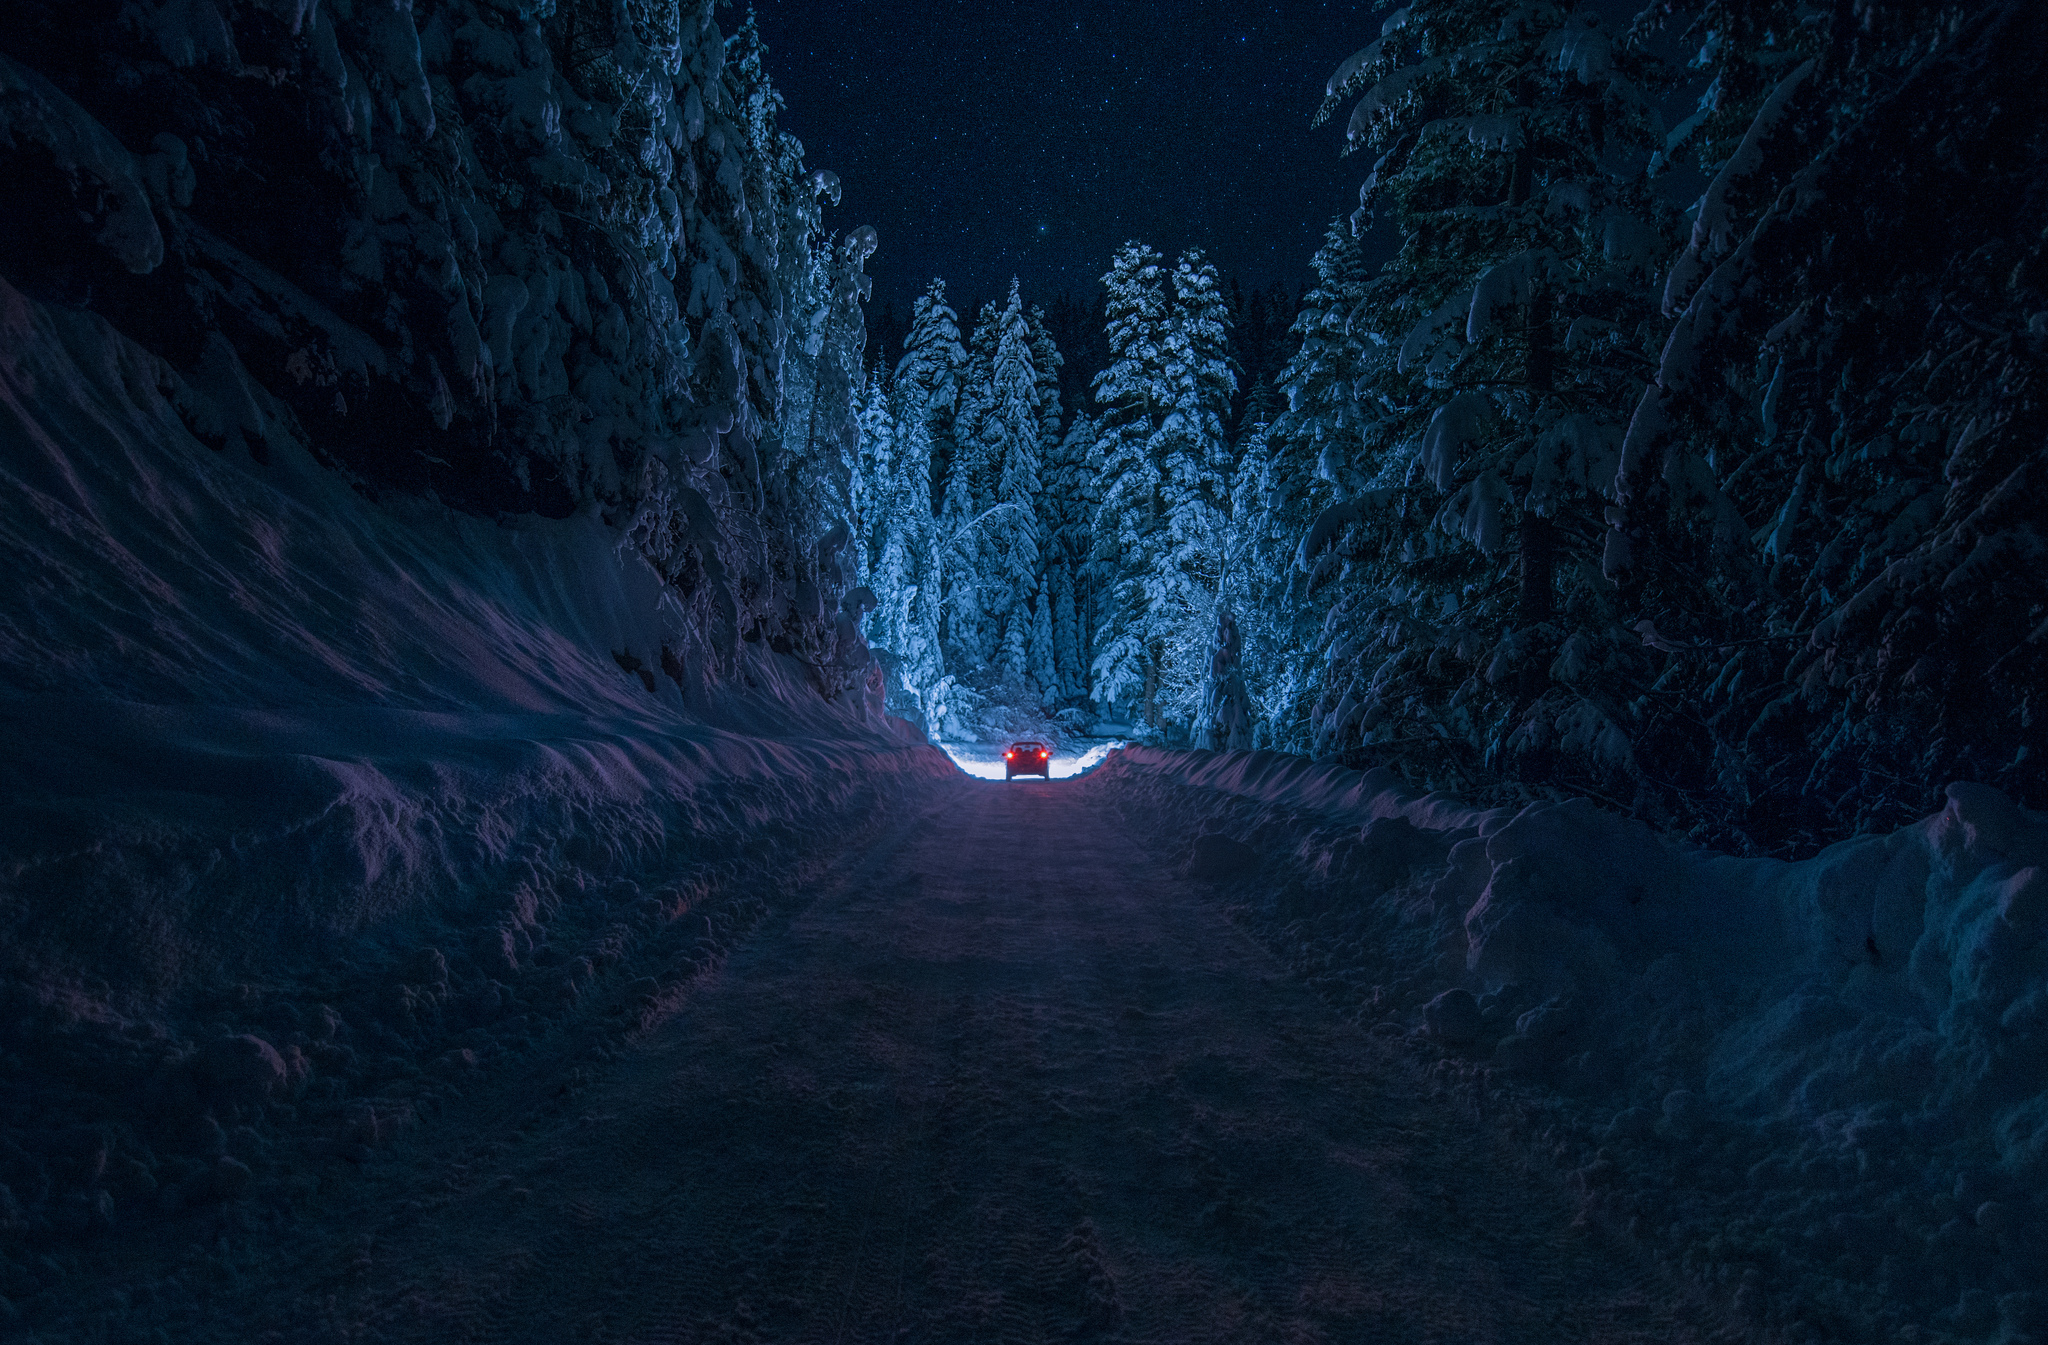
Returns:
<point x="999" y="138"/>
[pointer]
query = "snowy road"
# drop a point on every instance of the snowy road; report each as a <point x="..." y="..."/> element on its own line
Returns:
<point x="1005" y="1079"/>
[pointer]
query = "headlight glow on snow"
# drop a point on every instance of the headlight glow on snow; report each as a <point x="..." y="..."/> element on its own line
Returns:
<point x="986" y="762"/>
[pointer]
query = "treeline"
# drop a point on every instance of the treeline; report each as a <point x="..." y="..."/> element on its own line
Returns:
<point x="1033" y="557"/>
<point x="543" y="258"/>
<point x="1728" y="514"/>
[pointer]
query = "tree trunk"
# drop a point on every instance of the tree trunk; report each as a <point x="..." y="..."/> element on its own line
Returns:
<point x="1539" y="567"/>
<point x="1539" y="534"/>
<point x="1522" y="177"/>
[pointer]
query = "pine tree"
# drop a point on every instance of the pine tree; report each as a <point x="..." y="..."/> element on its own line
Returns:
<point x="1129" y="526"/>
<point x="723" y="214"/>
<point x="1841" y="422"/>
<point x="831" y="433"/>
<point x="1068" y="508"/>
<point x="1161" y="528"/>
<point x="1204" y="383"/>
<point x="1046" y="365"/>
<point x="975" y="634"/>
<point x="873" y="489"/>
<point x="1069" y="654"/>
<point x="1303" y="463"/>
<point x="977" y="397"/>
<point x="1042" y="665"/>
<point x="1010" y="433"/>
<point x="937" y="373"/>
<point x="958" y="547"/>
<point x="1225" y="722"/>
<point x="928" y="376"/>
<point x="919" y="646"/>
<point x="1510" y="139"/>
<point x="895" y="537"/>
<point x="1196" y="467"/>
<point x="926" y="392"/>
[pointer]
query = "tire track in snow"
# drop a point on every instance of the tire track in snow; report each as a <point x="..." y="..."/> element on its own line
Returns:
<point x="1006" y="1081"/>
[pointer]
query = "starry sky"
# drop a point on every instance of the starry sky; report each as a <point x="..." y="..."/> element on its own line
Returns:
<point x="999" y="137"/>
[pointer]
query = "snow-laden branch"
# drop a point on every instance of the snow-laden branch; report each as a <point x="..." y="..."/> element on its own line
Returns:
<point x="971" y="524"/>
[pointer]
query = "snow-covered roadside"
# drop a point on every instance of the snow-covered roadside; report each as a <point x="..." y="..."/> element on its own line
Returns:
<point x="1822" y="1086"/>
<point x="1070" y="757"/>
<point x="311" y="807"/>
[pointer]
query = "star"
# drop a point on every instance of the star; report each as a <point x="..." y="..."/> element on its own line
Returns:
<point x="1185" y="136"/>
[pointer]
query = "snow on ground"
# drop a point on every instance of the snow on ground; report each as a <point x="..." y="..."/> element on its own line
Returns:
<point x="1070" y="757"/>
<point x="979" y="1088"/>
<point x="312" y="807"/>
<point x="1822" y="1086"/>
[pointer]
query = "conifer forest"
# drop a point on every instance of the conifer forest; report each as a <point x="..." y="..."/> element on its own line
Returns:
<point x="1718" y="511"/>
<point x="593" y="747"/>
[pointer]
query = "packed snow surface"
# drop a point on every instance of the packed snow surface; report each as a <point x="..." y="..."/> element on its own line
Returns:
<point x="976" y="1087"/>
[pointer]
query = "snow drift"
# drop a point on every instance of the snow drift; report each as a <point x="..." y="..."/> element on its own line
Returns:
<point x="301" y="793"/>
<point x="1835" y="1068"/>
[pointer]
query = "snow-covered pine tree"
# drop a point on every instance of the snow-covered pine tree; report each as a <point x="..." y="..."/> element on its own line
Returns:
<point x="893" y="504"/>
<point x="1224" y="723"/>
<point x="723" y="257"/>
<point x="832" y="437"/>
<point x="781" y="215"/>
<point x="927" y="392"/>
<point x="1046" y="363"/>
<point x="1848" y="364"/>
<point x="977" y="395"/>
<point x="1128" y="530"/>
<point x="1162" y="463"/>
<point x="1511" y="140"/>
<point x="1041" y="664"/>
<point x="917" y="635"/>
<point x="820" y="445"/>
<point x="723" y="210"/>
<point x="1010" y="432"/>
<point x="1268" y="647"/>
<point x="974" y="635"/>
<point x="805" y="276"/>
<point x="1067" y="508"/>
<point x="1194" y="452"/>
<point x="1308" y="458"/>
<point x="875" y="477"/>
<point x="1199" y="364"/>
<point x="1069" y="649"/>
<point x="929" y="374"/>
<point x="960" y="557"/>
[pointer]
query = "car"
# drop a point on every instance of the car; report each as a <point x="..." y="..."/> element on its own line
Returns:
<point x="1027" y="758"/>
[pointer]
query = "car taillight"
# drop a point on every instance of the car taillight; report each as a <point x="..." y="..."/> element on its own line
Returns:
<point x="1041" y="756"/>
<point x="1008" y="755"/>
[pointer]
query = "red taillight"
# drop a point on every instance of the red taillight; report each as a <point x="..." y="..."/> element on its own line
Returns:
<point x="1041" y="756"/>
<point x="1008" y="755"/>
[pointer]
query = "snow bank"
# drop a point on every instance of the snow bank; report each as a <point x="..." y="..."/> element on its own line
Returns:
<point x="1836" y="1070"/>
<point x="301" y="793"/>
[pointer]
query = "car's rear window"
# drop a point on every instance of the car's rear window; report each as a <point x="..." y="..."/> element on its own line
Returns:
<point x="1029" y="747"/>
